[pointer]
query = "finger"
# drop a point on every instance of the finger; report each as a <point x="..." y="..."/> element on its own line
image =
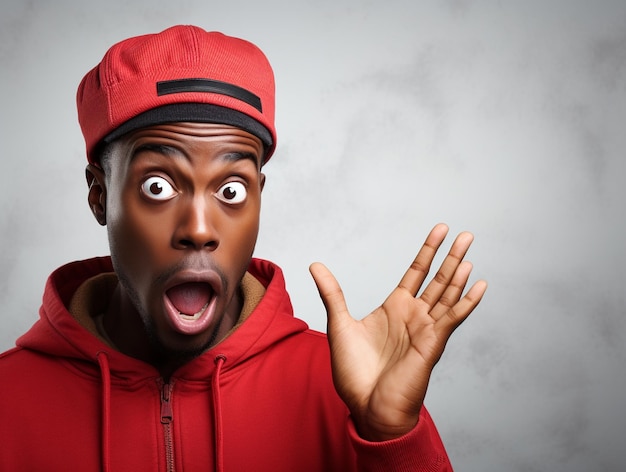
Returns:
<point x="416" y="274"/>
<point x="453" y="292"/>
<point x="331" y="295"/>
<point x="444" y="275"/>
<point x="454" y="316"/>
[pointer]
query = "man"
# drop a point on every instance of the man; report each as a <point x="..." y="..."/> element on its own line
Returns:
<point x="181" y="351"/>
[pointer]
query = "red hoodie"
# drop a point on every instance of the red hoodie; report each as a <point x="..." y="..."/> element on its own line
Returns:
<point x="261" y="400"/>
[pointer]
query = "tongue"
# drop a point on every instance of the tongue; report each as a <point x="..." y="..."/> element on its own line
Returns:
<point x="190" y="298"/>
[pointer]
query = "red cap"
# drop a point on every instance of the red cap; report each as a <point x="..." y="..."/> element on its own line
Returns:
<point x="181" y="74"/>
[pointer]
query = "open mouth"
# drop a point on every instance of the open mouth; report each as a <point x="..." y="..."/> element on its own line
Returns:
<point x="191" y="299"/>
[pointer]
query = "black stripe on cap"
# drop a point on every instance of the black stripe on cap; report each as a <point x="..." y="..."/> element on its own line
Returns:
<point x="209" y="86"/>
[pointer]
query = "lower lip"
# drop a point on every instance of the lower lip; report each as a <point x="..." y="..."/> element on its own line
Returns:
<point x="188" y="325"/>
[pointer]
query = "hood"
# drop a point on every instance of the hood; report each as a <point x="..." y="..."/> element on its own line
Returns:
<point x="57" y="333"/>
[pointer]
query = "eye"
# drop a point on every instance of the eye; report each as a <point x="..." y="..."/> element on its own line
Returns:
<point x="232" y="192"/>
<point x="157" y="188"/>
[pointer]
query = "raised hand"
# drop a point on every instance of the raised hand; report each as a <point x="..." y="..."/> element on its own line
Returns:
<point x="382" y="364"/>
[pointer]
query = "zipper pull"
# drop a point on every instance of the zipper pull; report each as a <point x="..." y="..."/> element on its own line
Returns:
<point x="166" y="405"/>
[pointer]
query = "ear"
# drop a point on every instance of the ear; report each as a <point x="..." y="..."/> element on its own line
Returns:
<point x="262" y="181"/>
<point x="97" y="195"/>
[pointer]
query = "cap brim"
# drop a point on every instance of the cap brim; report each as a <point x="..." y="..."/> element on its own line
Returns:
<point x="192" y="112"/>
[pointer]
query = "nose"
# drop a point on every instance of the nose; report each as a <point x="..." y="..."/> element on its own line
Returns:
<point x="195" y="228"/>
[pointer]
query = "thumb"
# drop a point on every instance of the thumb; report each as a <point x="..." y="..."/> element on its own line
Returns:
<point x="331" y="295"/>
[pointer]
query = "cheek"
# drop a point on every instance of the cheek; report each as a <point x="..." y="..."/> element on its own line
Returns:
<point x="135" y="235"/>
<point x="243" y="231"/>
<point x="238" y="238"/>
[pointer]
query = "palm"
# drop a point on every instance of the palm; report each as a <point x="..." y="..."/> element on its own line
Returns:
<point x="382" y="364"/>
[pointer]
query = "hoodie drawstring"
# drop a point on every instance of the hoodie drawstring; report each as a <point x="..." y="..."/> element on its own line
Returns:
<point x="105" y="374"/>
<point x="217" y="406"/>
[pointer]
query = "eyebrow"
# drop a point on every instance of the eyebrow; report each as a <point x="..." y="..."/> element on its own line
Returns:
<point x="166" y="150"/>
<point x="158" y="149"/>
<point x="239" y="156"/>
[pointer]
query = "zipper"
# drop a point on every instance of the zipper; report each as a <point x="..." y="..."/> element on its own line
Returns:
<point x="167" y="416"/>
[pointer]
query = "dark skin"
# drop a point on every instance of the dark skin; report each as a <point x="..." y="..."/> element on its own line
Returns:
<point x="171" y="199"/>
<point x="167" y="201"/>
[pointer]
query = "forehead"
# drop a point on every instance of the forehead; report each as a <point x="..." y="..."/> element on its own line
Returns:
<point x="190" y="137"/>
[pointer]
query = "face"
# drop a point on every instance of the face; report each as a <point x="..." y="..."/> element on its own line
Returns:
<point x="181" y="203"/>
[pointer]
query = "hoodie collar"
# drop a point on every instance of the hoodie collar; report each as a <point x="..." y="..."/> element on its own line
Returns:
<point x="266" y="319"/>
<point x="90" y="302"/>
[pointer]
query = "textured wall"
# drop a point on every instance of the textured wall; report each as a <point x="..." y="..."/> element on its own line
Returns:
<point x="503" y="118"/>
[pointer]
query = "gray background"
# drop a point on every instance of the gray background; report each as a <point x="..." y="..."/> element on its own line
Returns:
<point x="503" y="118"/>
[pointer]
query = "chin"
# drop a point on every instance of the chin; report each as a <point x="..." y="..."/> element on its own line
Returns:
<point x="180" y="348"/>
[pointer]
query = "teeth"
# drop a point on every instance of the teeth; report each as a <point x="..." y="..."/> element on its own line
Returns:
<point x="194" y="316"/>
